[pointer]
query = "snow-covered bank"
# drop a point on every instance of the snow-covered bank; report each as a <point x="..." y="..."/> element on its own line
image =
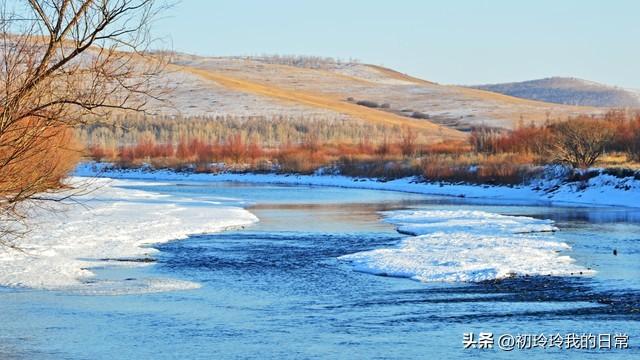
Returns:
<point x="469" y="246"/>
<point x="601" y="190"/>
<point x="110" y="223"/>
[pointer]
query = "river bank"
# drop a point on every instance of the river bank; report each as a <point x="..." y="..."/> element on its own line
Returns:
<point x="601" y="189"/>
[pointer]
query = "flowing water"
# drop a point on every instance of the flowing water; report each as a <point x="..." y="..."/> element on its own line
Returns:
<point x="278" y="290"/>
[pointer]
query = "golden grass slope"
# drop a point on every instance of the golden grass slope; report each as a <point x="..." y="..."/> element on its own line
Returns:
<point x="325" y="101"/>
<point x="450" y="108"/>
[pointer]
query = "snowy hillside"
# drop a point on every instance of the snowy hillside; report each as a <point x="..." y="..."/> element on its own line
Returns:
<point x="569" y="91"/>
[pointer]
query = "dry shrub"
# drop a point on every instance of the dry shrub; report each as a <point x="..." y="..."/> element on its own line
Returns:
<point x="483" y="169"/>
<point x="506" y="169"/>
<point x="100" y="153"/>
<point x="268" y="131"/>
<point x="529" y="139"/>
<point x="408" y="142"/>
<point x="580" y="142"/>
<point x="254" y="151"/>
<point x="447" y="147"/>
<point x="445" y="168"/>
<point x="490" y="156"/>
<point x="39" y="166"/>
<point x="633" y="148"/>
<point x="368" y="103"/>
<point x="626" y="134"/>
<point x="377" y="168"/>
<point x="234" y="148"/>
<point x="295" y="159"/>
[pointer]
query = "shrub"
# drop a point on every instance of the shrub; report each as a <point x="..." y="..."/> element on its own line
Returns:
<point x="376" y="168"/>
<point x="447" y="147"/>
<point x="234" y="148"/>
<point x="41" y="166"/>
<point x="100" y="153"/>
<point x="420" y="115"/>
<point x="493" y="169"/>
<point x="632" y="145"/>
<point x="580" y="142"/>
<point x="298" y="160"/>
<point x="367" y="103"/>
<point x="408" y="142"/>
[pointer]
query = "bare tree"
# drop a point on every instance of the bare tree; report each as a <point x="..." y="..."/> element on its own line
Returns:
<point x="483" y="139"/>
<point x="580" y="142"/>
<point x="408" y="142"/>
<point x="61" y="63"/>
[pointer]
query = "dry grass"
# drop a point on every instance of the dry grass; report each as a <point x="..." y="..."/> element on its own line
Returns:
<point x="617" y="160"/>
<point x="481" y="169"/>
<point x="323" y="101"/>
<point x="392" y="74"/>
<point x="451" y="105"/>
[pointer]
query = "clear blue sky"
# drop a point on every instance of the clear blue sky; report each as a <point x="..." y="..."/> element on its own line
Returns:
<point x="448" y="41"/>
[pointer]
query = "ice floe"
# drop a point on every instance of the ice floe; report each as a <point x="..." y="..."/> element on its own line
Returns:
<point x="469" y="246"/>
<point x="425" y="222"/>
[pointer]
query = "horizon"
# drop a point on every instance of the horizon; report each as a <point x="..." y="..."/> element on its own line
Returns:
<point x="474" y="42"/>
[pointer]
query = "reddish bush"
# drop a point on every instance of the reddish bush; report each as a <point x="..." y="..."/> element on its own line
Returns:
<point x="292" y="159"/>
<point x="488" y="156"/>
<point x="234" y="148"/>
<point x="529" y="139"/>
<point x="491" y="169"/>
<point x="447" y="147"/>
<point x="626" y="133"/>
<point x="254" y="151"/>
<point x="100" y="153"/>
<point x="183" y="151"/>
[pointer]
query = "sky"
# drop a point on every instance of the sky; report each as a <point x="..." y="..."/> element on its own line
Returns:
<point x="447" y="41"/>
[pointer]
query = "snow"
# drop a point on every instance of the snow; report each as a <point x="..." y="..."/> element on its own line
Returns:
<point x="469" y="246"/>
<point x="115" y="222"/>
<point x="108" y="223"/>
<point x="424" y="222"/>
<point x="602" y="190"/>
<point x="458" y="245"/>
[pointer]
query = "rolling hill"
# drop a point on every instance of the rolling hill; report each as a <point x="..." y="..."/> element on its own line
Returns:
<point x="277" y="86"/>
<point x="570" y="91"/>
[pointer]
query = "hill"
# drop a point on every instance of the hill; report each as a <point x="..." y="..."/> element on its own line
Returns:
<point x="570" y="91"/>
<point x="324" y="88"/>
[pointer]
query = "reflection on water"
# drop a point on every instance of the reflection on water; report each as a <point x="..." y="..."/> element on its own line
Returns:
<point x="276" y="290"/>
<point x="327" y="217"/>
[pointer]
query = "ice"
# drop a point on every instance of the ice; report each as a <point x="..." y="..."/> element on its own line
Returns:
<point x="107" y="221"/>
<point x="469" y="246"/>
<point x="424" y="222"/>
<point x="601" y="190"/>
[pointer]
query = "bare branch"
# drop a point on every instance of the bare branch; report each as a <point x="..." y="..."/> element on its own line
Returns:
<point x="63" y="63"/>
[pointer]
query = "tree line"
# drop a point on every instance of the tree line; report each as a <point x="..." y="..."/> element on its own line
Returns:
<point x="578" y="142"/>
<point x="358" y="149"/>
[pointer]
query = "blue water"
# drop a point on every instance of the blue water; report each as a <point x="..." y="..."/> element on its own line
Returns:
<point x="276" y="290"/>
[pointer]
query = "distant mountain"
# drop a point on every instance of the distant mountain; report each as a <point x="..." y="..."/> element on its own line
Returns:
<point x="569" y="91"/>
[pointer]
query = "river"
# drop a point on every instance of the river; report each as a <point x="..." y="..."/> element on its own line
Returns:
<point x="278" y="290"/>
